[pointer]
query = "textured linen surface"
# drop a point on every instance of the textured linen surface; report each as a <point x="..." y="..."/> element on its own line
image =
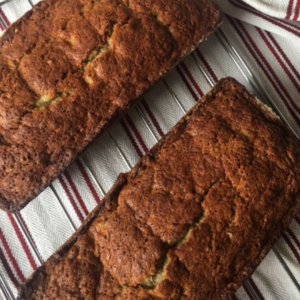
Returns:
<point x="269" y="52"/>
<point x="283" y="9"/>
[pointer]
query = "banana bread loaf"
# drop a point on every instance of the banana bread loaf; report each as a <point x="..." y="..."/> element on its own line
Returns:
<point x="68" y="68"/>
<point x="194" y="218"/>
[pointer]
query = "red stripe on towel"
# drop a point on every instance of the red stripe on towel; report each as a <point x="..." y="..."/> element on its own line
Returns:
<point x="131" y="138"/>
<point x="10" y="256"/>
<point x="280" y="23"/>
<point x="289" y="9"/>
<point x="76" y="193"/>
<point x="261" y="61"/>
<point x="71" y="199"/>
<point x="136" y="133"/>
<point x="88" y="181"/>
<point x="23" y="242"/>
<point x="8" y="269"/>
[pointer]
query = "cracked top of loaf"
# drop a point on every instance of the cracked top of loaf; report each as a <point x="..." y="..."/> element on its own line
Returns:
<point x="70" y="67"/>
<point x="193" y="218"/>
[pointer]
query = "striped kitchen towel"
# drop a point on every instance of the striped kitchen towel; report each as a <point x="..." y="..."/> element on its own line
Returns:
<point x="283" y="9"/>
<point x="261" y="51"/>
<point x="284" y="26"/>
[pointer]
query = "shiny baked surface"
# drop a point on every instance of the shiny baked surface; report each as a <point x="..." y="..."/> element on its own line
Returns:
<point x="69" y="68"/>
<point x="193" y="218"/>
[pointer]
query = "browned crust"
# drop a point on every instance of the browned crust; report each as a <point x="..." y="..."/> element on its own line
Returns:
<point x="110" y="201"/>
<point x="107" y="204"/>
<point x="248" y="271"/>
<point x="34" y="165"/>
<point x="294" y="210"/>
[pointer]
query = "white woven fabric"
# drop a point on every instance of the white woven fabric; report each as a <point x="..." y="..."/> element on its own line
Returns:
<point x="283" y="9"/>
<point x="248" y="14"/>
<point x="270" y="49"/>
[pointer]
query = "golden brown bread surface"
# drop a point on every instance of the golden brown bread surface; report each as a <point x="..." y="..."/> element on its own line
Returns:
<point x="70" y="67"/>
<point x="194" y="218"/>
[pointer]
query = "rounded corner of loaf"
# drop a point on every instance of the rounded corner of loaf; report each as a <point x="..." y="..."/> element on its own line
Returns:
<point x="70" y="82"/>
<point x="195" y="217"/>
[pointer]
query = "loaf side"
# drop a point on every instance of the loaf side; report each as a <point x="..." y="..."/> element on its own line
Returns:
<point x="194" y="218"/>
<point x="68" y="68"/>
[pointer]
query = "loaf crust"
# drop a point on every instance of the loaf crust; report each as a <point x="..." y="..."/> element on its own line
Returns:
<point x="68" y="68"/>
<point x="194" y="218"/>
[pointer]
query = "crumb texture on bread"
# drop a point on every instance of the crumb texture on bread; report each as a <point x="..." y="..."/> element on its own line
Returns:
<point x="70" y="67"/>
<point x="194" y="217"/>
